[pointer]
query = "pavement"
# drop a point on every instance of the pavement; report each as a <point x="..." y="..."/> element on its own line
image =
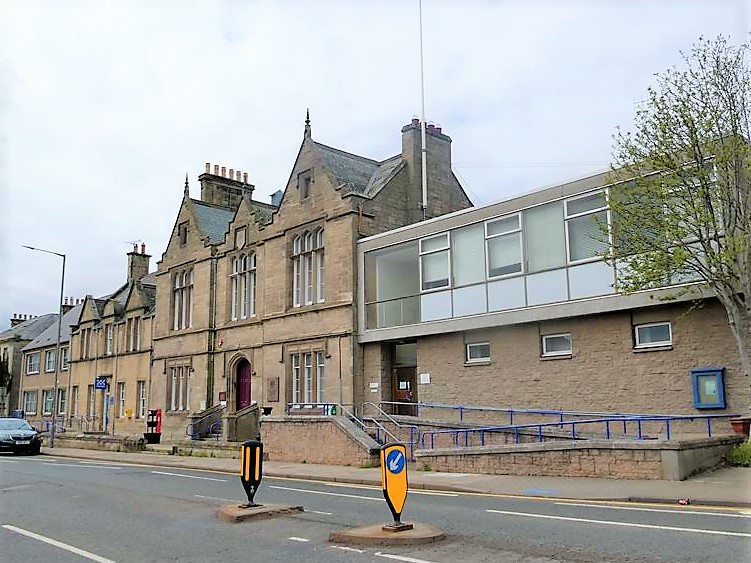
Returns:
<point x="728" y="486"/>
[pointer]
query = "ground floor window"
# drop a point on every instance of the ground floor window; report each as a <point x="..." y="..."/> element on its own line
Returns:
<point x="121" y="399"/>
<point x="48" y="401"/>
<point x="178" y="388"/>
<point x="141" y="412"/>
<point x="308" y="378"/>
<point x="91" y="409"/>
<point x="30" y="402"/>
<point x="74" y="400"/>
<point x="62" y="398"/>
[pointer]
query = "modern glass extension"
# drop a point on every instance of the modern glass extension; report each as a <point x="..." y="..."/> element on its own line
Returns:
<point x="542" y="254"/>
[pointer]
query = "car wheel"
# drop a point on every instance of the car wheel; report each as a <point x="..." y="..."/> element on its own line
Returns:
<point x="35" y="449"/>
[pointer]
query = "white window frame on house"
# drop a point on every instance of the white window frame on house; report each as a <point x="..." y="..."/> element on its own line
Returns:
<point x="30" y="402"/>
<point x="62" y="396"/>
<point x="109" y="338"/>
<point x="570" y="217"/>
<point x="133" y="329"/>
<point x="659" y="344"/>
<point x="121" y="399"/>
<point x="501" y="235"/>
<point x="308" y="371"/>
<point x="32" y="366"/>
<point x="428" y="254"/>
<point x="64" y="358"/>
<point x="547" y="338"/>
<point x="308" y="378"/>
<point x="141" y="389"/>
<point x="178" y="388"/>
<point x="182" y="299"/>
<point x="74" y="400"/>
<point x="472" y="346"/>
<point x="91" y="401"/>
<point x="48" y="401"/>
<point x="320" y="378"/>
<point x="308" y="268"/>
<point x="243" y="286"/>
<point x="49" y="361"/>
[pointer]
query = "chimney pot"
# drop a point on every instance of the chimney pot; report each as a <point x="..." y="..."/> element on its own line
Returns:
<point x="208" y="167"/>
<point x="216" y="170"/>
<point x="135" y="247"/>
<point x="231" y="173"/>
<point x="438" y="128"/>
<point x="245" y="177"/>
<point x="415" y="121"/>
<point x="238" y="176"/>
<point x="431" y="126"/>
<point x="143" y="248"/>
<point x="224" y="171"/>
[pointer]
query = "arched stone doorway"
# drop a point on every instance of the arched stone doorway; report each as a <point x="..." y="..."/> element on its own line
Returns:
<point x="242" y="384"/>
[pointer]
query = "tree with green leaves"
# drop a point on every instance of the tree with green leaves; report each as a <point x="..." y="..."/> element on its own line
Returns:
<point x="680" y="196"/>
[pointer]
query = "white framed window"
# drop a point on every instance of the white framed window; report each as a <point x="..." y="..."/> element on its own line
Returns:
<point x="109" y="336"/>
<point x="182" y="300"/>
<point x="295" y="378"/>
<point x="64" y="358"/>
<point x="556" y="345"/>
<point x="30" y="402"/>
<point x="308" y="269"/>
<point x="62" y="398"/>
<point x="121" y="399"/>
<point x="141" y="389"/>
<point x="250" y="285"/>
<point x="320" y="378"/>
<point x="32" y="363"/>
<point x="653" y="335"/>
<point x="308" y="367"/>
<point x="435" y="260"/>
<point x="503" y="240"/>
<point x="478" y="352"/>
<point x="243" y="286"/>
<point x="48" y="401"/>
<point x="74" y="400"/>
<point x="586" y="217"/>
<point x="49" y="360"/>
<point x="91" y="407"/>
<point x="133" y="335"/>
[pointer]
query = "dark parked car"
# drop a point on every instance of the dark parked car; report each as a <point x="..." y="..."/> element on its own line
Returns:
<point x="18" y="436"/>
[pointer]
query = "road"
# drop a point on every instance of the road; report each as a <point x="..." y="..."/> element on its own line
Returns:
<point x="60" y="509"/>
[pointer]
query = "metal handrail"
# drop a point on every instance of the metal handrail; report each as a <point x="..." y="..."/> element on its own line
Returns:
<point x="414" y="430"/>
<point x="189" y="429"/>
<point x="456" y="432"/>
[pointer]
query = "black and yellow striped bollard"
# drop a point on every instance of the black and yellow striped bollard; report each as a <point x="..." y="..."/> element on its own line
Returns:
<point x="251" y="469"/>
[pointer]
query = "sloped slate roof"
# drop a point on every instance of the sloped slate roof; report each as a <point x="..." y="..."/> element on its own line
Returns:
<point x="29" y="329"/>
<point x="213" y="221"/>
<point x="49" y="336"/>
<point x="357" y="174"/>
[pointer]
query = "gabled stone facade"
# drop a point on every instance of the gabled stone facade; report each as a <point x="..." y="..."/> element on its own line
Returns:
<point x="293" y="340"/>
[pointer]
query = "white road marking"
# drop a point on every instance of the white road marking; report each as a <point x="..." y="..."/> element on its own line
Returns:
<point x="372" y="488"/>
<point x="401" y="558"/>
<point x="346" y="548"/>
<point x="100" y="463"/>
<point x="322" y="493"/>
<point x="189" y="476"/>
<point x="219" y="498"/>
<point x="301" y="540"/>
<point x="61" y="545"/>
<point x="8" y="461"/>
<point x="626" y="524"/>
<point x="80" y="466"/>
<point x="319" y="512"/>
<point x="673" y="511"/>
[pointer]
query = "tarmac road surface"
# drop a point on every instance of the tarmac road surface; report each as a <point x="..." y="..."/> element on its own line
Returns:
<point x="62" y="509"/>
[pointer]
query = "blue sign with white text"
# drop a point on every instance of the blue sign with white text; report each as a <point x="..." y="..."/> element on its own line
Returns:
<point x="395" y="462"/>
<point x="100" y="383"/>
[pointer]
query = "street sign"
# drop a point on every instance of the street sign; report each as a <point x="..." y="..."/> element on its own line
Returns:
<point x="100" y="382"/>
<point x="251" y="469"/>
<point x="394" y="479"/>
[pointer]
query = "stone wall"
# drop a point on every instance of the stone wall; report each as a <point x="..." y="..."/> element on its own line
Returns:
<point x="301" y="439"/>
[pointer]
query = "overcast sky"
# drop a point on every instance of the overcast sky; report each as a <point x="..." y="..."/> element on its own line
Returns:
<point x="104" y="106"/>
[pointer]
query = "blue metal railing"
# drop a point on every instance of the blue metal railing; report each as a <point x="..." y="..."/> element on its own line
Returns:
<point x="414" y="430"/>
<point x="536" y="429"/>
<point x="58" y="422"/>
<point x="197" y="428"/>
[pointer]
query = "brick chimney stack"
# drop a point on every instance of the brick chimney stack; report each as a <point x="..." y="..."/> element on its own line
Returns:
<point x="138" y="263"/>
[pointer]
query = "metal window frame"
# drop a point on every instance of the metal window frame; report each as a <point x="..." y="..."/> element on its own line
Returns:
<point x="548" y="354"/>
<point x="471" y="360"/>
<point x="638" y="344"/>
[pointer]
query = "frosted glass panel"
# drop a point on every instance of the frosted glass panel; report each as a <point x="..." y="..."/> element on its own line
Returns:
<point x="435" y="270"/>
<point x="547" y="287"/>
<point x="545" y="237"/>
<point x="589" y="280"/>
<point x="506" y="294"/>
<point x="435" y="306"/>
<point x="468" y="255"/>
<point x="470" y="301"/>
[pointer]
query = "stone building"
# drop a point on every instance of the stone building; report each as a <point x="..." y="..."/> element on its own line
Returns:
<point x="111" y="340"/>
<point x="511" y="305"/>
<point x="256" y="301"/>
<point x="23" y="329"/>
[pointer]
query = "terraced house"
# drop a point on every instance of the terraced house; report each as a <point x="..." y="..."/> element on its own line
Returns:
<point x="257" y="301"/>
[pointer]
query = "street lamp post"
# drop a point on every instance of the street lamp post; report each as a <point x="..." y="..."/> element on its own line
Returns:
<point x="55" y="397"/>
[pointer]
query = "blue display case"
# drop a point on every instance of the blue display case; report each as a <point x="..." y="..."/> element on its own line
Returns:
<point x="709" y="387"/>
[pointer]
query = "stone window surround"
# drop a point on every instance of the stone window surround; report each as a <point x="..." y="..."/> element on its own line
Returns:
<point x="297" y="250"/>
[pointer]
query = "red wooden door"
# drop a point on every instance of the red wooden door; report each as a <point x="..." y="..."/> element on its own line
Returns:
<point x="243" y="385"/>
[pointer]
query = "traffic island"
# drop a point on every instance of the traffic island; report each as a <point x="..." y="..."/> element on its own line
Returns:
<point x="234" y="513"/>
<point x="381" y="535"/>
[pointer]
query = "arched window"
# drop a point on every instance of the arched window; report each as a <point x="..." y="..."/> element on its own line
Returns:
<point x="308" y="269"/>
<point x="182" y="299"/>
<point x="243" y="286"/>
